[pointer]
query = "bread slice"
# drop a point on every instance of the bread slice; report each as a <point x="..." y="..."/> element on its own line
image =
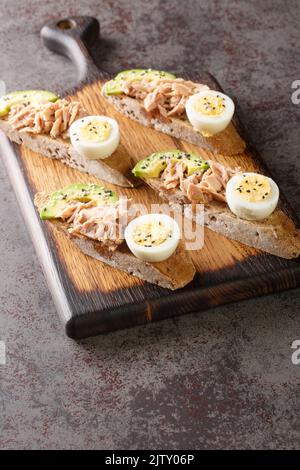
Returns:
<point x="173" y="273"/>
<point x="227" y="142"/>
<point x="276" y="235"/>
<point x="114" y="169"/>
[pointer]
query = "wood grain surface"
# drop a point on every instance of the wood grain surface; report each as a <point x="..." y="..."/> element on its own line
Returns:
<point x="100" y="298"/>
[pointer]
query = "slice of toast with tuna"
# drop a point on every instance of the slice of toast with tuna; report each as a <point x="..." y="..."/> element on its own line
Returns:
<point x="42" y="122"/>
<point x="88" y="215"/>
<point x="241" y="206"/>
<point x="177" y="107"/>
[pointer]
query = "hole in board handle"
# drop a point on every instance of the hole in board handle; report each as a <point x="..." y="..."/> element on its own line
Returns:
<point x="66" y="24"/>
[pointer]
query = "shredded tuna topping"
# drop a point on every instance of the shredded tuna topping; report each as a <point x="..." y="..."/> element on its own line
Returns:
<point x="202" y="186"/>
<point x="105" y="223"/>
<point x="45" y="118"/>
<point x="161" y="97"/>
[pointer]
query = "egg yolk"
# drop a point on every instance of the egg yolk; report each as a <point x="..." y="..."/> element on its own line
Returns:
<point x="95" y="131"/>
<point x="210" y="105"/>
<point x="151" y="234"/>
<point x="254" y="188"/>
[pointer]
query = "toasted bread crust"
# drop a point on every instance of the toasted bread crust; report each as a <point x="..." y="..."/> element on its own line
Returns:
<point x="276" y="235"/>
<point x="227" y="142"/>
<point x="174" y="273"/>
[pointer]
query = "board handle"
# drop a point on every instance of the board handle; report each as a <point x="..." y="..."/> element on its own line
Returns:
<point x="72" y="37"/>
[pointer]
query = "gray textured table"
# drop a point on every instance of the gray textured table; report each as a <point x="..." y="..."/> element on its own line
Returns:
<point x="219" y="379"/>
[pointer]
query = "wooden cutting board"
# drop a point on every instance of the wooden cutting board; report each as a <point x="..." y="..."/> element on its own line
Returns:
<point x="93" y="298"/>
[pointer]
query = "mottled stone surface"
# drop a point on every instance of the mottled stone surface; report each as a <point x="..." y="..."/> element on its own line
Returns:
<point x="219" y="379"/>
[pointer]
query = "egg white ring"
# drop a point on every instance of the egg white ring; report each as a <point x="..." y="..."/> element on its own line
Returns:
<point x="244" y="209"/>
<point x="209" y="124"/>
<point x="95" y="150"/>
<point x="159" y="252"/>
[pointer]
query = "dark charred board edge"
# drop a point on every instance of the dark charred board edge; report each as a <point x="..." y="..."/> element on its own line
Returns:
<point x="85" y="314"/>
<point x="44" y="253"/>
<point x="198" y="300"/>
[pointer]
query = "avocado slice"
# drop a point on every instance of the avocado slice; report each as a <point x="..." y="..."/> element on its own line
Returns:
<point x="140" y="73"/>
<point x="26" y="97"/>
<point x="76" y="192"/>
<point x="152" y="166"/>
<point x="114" y="87"/>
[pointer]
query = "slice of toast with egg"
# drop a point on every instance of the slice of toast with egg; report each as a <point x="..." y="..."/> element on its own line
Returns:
<point x="232" y="208"/>
<point x="70" y="210"/>
<point x="61" y="130"/>
<point x="177" y="107"/>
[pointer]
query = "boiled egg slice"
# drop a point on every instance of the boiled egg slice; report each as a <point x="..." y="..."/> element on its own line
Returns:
<point x="152" y="237"/>
<point x="95" y="137"/>
<point x="252" y="196"/>
<point x="209" y="111"/>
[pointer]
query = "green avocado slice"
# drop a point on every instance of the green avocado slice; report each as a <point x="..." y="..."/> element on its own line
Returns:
<point x="152" y="166"/>
<point x="76" y="192"/>
<point x="25" y="97"/>
<point x="114" y="87"/>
